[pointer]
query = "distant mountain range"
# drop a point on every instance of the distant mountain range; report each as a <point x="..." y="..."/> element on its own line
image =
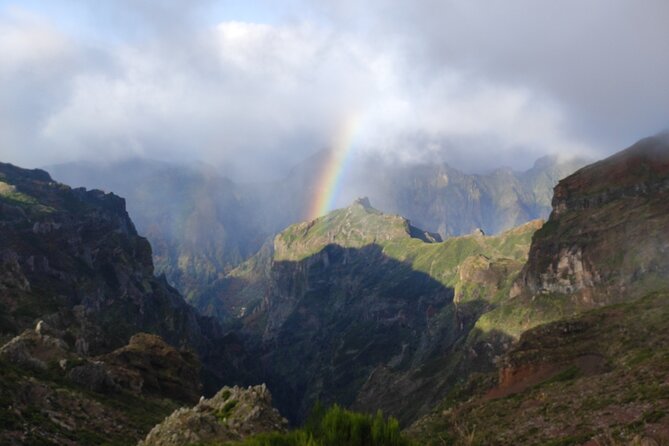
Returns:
<point x="202" y="225"/>
<point x="546" y="333"/>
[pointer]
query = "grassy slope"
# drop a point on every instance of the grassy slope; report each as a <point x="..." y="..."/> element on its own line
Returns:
<point x="600" y="375"/>
<point x="357" y="226"/>
<point x="453" y="262"/>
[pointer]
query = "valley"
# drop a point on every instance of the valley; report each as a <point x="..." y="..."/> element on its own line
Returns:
<point x="542" y="332"/>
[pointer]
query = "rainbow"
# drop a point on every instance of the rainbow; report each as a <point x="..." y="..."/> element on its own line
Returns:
<point x="334" y="167"/>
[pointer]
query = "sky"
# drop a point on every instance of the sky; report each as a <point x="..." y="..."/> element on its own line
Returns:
<point x="254" y="87"/>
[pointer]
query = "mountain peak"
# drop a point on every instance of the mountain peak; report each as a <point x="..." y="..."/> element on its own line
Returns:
<point x="354" y="226"/>
<point x="364" y="202"/>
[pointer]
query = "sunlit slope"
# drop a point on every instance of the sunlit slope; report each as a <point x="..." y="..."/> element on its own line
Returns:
<point x="347" y="298"/>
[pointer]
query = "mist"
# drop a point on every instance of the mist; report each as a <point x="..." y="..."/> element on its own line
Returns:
<point x="253" y="89"/>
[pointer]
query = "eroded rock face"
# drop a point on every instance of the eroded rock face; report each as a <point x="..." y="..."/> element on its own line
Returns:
<point x="607" y="237"/>
<point x="233" y="414"/>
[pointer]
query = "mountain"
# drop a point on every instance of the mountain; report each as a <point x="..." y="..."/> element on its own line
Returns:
<point x="86" y="326"/>
<point x="589" y="312"/>
<point x="446" y="200"/>
<point x="550" y="333"/>
<point x="360" y="307"/>
<point x="605" y="241"/>
<point x="198" y="222"/>
<point x="202" y="225"/>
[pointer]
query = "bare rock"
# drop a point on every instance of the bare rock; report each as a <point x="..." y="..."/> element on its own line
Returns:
<point x="233" y="414"/>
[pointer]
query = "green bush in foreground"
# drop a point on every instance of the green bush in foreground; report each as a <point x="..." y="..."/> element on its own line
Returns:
<point x="337" y="427"/>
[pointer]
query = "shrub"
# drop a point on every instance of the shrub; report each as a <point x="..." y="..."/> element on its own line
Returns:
<point x="337" y="426"/>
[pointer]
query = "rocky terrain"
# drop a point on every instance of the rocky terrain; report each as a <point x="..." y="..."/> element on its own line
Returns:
<point x="595" y="379"/>
<point x="90" y="335"/>
<point x="596" y="375"/>
<point x="232" y="414"/>
<point x="362" y="308"/>
<point x="547" y="333"/>
<point x="605" y="241"/>
<point x="50" y="394"/>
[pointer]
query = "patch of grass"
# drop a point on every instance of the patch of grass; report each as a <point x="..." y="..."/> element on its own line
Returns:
<point x="226" y="411"/>
<point x="569" y="440"/>
<point x="639" y="357"/>
<point x="336" y="427"/>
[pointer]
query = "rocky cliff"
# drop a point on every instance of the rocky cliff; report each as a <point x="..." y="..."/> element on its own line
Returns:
<point x="84" y="321"/>
<point x="589" y="313"/>
<point x="606" y="239"/>
<point x="51" y="394"/>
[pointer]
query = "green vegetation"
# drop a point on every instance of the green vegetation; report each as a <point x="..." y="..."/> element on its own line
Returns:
<point x="351" y="227"/>
<point x="610" y="382"/>
<point x="515" y="316"/>
<point x="337" y="427"/>
<point x="10" y="194"/>
<point x="227" y="409"/>
<point x="358" y="226"/>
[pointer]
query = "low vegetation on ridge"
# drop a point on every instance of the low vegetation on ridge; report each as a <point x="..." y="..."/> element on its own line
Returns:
<point x="336" y="427"/>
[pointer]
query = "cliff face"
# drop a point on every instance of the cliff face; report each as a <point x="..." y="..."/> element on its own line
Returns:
<point x="74" y="258"/>
<point x="606" y="239"/>
<point x="199" y="223"/>
<point x="589" y="314"/>
<point x="96" y="347"/>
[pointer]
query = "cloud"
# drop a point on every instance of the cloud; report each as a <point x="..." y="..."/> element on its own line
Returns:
<point x="603" y="62"/>
<point x="477" y="85"/>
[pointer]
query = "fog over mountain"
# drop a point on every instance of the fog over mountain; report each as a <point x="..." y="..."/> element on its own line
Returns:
<point x="253" y="88"/>
<point x="334" y="222"/>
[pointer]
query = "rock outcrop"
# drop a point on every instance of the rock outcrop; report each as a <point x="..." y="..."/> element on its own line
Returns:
<point x="233" y="414"/>
<point x="606" y="239"/>
<point x="51" y="394"/>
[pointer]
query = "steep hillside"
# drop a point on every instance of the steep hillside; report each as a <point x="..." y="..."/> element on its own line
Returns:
<point x="52" y="395"/>
<point x="596" y="379"/>
<point x="199" y="223"/>
<point x="358" y="297"/>
<point x="607" y="236"/>
<point x="77" y="291"/>
<point x="605" y="241"/>
<point x="598" y="273"/>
